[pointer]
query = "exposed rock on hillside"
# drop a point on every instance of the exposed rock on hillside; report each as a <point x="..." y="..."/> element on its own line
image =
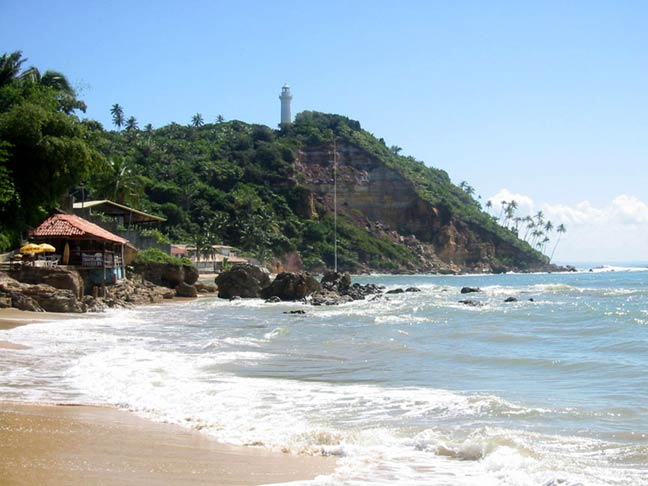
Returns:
<point x="389" y="204"/>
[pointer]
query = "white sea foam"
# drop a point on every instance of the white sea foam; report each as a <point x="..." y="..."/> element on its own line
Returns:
<point x="254" y="376"/>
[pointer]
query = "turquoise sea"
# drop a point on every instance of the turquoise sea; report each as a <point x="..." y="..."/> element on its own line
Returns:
<point x="410" y="389"/>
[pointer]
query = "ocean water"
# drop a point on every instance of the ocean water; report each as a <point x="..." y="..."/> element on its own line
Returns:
<point x="410" y="389"/>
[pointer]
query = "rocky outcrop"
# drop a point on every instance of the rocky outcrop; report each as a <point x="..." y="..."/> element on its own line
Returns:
<point x="56" y="277"/>
<point x="39" y="297"/>
<point x="127" y="292"/>
<point x="380" y="197"/>
<point x="243" y="280"/>
<point x="186" y="290"/>
<point x="336" y="281"/>
<point x="205" y="288"/>
<point x="337" y="289"/>
<point x="291" y="286"/>
<point x="329" y="297"/>
<point x="167" y="274"/>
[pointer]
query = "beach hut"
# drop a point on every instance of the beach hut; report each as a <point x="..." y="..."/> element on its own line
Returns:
<point x="99" y="255"/>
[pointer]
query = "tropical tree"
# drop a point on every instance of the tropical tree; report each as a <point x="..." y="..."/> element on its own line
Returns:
<point x="489" y="206"/>
<point x="48" y="149"/>
<point x="117" y="113"/>
<point x="197" y="120"/>
<point x="560" y="230"/>
<point x="131" y="124"/>
<point x="395" y="149"/>
<point x="10" y="65"/>
<point x="220" y="119"/>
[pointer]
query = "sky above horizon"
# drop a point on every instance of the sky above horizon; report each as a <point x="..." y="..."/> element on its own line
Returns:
<point x="544" y="102"/>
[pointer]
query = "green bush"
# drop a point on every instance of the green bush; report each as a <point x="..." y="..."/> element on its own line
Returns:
<point x="155" y="255"/>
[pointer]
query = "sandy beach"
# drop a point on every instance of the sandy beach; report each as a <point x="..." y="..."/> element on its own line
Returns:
<point x="78" y="445"/>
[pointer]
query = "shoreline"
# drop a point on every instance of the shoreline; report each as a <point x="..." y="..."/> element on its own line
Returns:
<point x="82" y="444"/>
<point x="77" y="444"/>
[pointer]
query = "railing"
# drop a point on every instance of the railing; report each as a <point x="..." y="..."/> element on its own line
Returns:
<point x="107" y="259"/>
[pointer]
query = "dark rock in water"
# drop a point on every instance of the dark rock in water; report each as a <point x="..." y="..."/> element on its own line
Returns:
<point x="295" y="312"/>
<point x="571" y="268"/>
<point x="359" y="292"/>
<point x="236" y="297"/>
<point x="510" y="299"/>
<point x="291" y="286"/>
<point x="470" y="290"/>
<point x="273" y="300"/>
<point x="327" y="297"/>
<point x="412" y="289"/>
<point x="242" y="281"/>
<point x="531" y="299"/>
<point x="205" y="288"/>
<point x="472" y="303"/>
<point x="186" y="290"/>
<point x="395" y="291"/>
<point x="336" y="281"/>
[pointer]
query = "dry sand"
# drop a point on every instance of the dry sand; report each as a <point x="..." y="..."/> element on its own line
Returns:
<point x="85" y="445"/>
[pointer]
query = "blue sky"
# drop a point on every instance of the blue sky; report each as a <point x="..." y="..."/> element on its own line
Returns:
<point x="545" y="100"/>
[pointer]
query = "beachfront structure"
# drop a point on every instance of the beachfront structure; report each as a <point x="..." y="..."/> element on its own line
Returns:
<point x="211" y="259"/>
<point x="286" y="98"/>
<point x="123" y="215"/>
<point x="99" y="255"/>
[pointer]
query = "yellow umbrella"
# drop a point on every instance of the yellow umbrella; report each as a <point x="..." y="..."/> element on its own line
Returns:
<point x="47" y="248"/>
<point x="30" y="248"/>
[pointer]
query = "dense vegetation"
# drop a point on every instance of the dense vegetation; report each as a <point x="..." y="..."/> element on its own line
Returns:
<point x="224" y="182"/>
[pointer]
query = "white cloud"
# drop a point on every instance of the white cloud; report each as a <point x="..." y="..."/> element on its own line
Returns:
<point x="615" y="232"/>
<point x="525" y="203"/>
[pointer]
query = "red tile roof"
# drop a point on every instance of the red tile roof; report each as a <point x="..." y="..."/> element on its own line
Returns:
<point x="74" y="227"/>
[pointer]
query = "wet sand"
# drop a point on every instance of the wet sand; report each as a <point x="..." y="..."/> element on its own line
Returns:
<point x="80" y="445"/>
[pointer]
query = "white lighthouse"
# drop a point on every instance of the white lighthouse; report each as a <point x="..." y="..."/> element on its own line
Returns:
<point x="285" y="98"/>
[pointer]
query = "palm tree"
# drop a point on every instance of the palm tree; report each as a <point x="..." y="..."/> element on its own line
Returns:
<point x="10" y="67"/>
<point x="503" y="205"/>
<point x="530" y="224"/>
<point x="197" y="120"/>
<point x="395" y="149"/>
<point x="560" y="230"/>
<point x="117" y="113"/>
<point x="220" y="119"/>
<point x="489" y="206"/>
<point x="131" y="124"/>
<point x="510" y="211"/>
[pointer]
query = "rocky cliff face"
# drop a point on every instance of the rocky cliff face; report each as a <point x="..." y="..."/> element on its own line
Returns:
<point x="389" y="205"/>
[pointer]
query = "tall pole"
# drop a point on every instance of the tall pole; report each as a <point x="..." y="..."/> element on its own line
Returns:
<point x="335" y="204"/>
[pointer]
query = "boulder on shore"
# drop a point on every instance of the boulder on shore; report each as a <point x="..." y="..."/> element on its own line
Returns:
<point x="56" y="277"/>
<point x="242" y="280"/>
<point x="167" y="274"/>
<point x="291" y="286"/>
<point x="186" y="290"/>
<point x="39" y="297"/>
